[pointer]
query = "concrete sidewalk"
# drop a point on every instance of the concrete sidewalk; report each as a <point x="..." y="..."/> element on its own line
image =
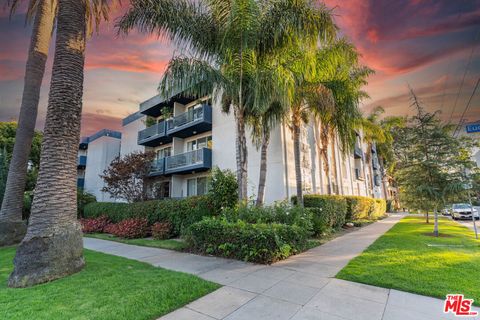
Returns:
<point x="299" y="288"/>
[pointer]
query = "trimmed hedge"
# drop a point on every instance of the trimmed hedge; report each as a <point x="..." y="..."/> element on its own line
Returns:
<point x="380" y="209"/>
<point x="180" y="213"/>
<point x="255" y="242"/>
<point x="328" y="212"/>
<point x="279" y="213"/>
<point x="359" y="208"/>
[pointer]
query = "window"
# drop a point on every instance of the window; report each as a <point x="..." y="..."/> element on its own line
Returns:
<point x="197" y="186"/>
<point x="205" y="142"/>
<point x="195" y="112"/>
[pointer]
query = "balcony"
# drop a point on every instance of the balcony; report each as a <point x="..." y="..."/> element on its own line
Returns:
<point x="190" y="123"/>
<point x="154" y="135"/>
<point x="357" y="152"/>
<point x="80" y="183"/>
<point x="157" y="168"/>
<point x="375" y="164"/>
<point x="81" y="162"/>
<point x="189" y="162"/>
<point x="153" y="106"/>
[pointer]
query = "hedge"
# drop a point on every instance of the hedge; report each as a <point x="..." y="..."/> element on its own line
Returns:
<point x="255" y="242"/>
<point x="328" y="212"/>
<point x="180" y="213"/>
<point x="359" y="208"/>
<point x="380" y="209"/>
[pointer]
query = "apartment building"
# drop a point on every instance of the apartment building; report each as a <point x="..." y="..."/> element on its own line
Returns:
<point x="472" y="130"/>
<point x="190" y="136"/>
<point x="95" y="153"/>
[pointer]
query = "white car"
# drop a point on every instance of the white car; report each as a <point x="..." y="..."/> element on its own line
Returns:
<point x="463" y="211"/>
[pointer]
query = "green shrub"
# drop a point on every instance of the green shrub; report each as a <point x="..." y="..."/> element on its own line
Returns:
<point x="326" y="221"/>
<point x="223" y="189"/>
<point x="279" y="213"/>
<point x="380" y="209"/>
<point x="259" y="242"/>
<point x="180" y="213"/>
<point x="359" y="207"/>
<point x="27" y="204"/>
<point x="83" y="198"/>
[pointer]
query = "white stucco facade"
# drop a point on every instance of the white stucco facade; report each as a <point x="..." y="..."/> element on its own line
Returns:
<point x="131" y="125"/>
<point x="103" y="147"/>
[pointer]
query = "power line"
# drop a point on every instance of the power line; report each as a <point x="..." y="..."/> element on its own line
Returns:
<point x="464" y="76"/>
<point x="467" y="106"/>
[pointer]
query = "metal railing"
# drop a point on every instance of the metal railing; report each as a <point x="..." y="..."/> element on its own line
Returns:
<point x="191" y="115"/>
<point x="82" y="161"/>
<point x="357" y="151"/>
<point x="158" y="166"/>
<point x="152" y="131"/>
<point x="184" y="159"/>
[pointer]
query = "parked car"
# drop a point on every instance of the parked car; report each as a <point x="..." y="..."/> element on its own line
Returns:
<point x="446" y="211"/>
<point x="463" y="211"/>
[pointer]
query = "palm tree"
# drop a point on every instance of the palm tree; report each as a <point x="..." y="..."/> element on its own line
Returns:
<point x="330" y="95"/>
<point x="52" y="247"/>
<point x="343" y="76"/>
<point x="262" y="124"/>
<point x="225" y="40"/>
<point x="12" y="228"/>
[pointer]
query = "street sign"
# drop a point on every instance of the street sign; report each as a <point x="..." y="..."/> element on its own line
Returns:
<point x="471" y="128"/>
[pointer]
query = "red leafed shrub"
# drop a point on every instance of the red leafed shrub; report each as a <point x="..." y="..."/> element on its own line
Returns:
<point x="161" y="230"/>
<point x="94" y="225"/>
<point x="130" y="228"/>
<point x="110" y="228"/>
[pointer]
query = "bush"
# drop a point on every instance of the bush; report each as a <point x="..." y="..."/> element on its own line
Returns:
<point x="94" y="225"/>
<point x="326" y="221"/>
<point x="380" y="209"/>
<point x="279" y="213"/>
<point x="161" y="230"/>
<point x="179" y="213"/>
<point x="83" y="198"/>
<point x="27" y="204"/>
<point x="130" y="228"/>
<point x="260" y="242"/>
<point x="359" y="207"/>
<point x="223" y="189"/>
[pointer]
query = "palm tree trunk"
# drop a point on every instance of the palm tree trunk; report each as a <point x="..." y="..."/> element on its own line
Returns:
<point x="263" y="168"/>
<point x="52" y="247"/>
<point x="241" y="154"/>
<point x="334" y="159"/>
<point x="12" y="228"/>
<point x="368" y="161"/>
<point x="326" y="161"/>
<point x="297" y="157"/>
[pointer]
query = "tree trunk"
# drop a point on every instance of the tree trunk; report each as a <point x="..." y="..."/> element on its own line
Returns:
<point x="368" y="161"/>
<point x="435" y="226"/>
<point x="324" y="152"/>
<point x="263" y="169"/>
<point x="297" y="156"/>
<point x="12" y="228"/>
<point x="52" y="247"/>
<point x="427" y="217"/>
<point x="334" y="160"/>
<point x="241" y="154"/>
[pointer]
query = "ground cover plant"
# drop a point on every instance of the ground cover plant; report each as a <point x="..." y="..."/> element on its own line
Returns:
<point x="109" y="287"/>
<point x="409" y="258"/>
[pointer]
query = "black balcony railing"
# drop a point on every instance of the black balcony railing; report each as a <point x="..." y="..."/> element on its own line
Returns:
<point x="154" y="135"/>
<point x="196" y="160"/>
<point x="192" y="122"/>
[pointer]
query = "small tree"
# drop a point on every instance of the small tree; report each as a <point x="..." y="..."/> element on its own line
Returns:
<point x="431" y="162"/>
<point x="125" y="177"/>
<point x="223" y="189"/>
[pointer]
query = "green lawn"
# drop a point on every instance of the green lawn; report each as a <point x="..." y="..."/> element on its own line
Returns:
<point x="408" y="259"/>
<point x="164" y="244"/>
<point x="108" y="288"/>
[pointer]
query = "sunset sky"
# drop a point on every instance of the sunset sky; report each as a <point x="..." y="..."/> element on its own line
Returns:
<point x="424" y="43"/>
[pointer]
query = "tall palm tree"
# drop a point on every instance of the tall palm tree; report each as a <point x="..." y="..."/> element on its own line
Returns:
<point x="343" y="76"/>
<point x="223" y="41"/>
<point x="52" y="247"/>
<point x="329" y="94"/>
<point x="12" y="228"/>
<point x="262" y="123"/>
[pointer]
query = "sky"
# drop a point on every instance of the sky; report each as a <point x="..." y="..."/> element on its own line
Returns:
<point x="431" y="46"/>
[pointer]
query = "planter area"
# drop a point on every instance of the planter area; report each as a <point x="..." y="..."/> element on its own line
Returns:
<point x="256" y="234"/>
